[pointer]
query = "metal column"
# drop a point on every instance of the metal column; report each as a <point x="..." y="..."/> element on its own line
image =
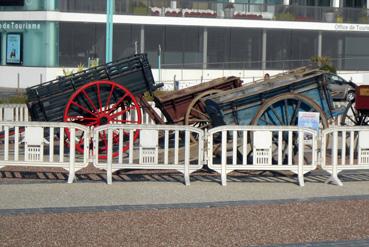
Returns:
<point x="110" y="6"/>
<point x="205" y="49"/>
<point x="320" y="43"/>
<point x="264" y="50"/>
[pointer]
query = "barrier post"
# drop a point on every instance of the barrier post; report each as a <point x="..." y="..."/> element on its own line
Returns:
<point x="301" y="158"/>
<point x="334" y="177"/>
<point x="187" y="158"/>
<point x="109" y="172"/>
<point x="72" y="150"/>
<point x="224" y="158"/>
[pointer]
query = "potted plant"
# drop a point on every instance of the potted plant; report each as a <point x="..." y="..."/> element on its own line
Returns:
<point x="339" y="19"/>
<point x="285" y="17"/>
<point x="228" y="10"/>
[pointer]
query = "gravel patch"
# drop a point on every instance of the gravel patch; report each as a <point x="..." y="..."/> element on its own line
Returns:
<point x="301" y="222"/>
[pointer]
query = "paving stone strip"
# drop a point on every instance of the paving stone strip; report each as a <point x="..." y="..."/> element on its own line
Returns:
<point x="118" y="208"/>
<point x="346" y="243"/>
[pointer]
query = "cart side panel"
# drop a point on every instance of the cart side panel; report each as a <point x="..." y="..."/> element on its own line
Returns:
<point x="243" y="110"/>
<point x="47" y="101"/>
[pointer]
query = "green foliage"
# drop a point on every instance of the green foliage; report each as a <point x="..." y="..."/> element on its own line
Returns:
<point x="339" y="19"/>
<point x="285" y="17"/>
<point x="363" y="19"/>
<point x="67" y="72"/>
<point x="19" y="99"/>
<point x="80" y="67"/>
<point x="324" y="63"/>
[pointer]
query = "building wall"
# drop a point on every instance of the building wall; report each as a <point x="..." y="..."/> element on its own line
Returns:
<point x="192" y="48"/>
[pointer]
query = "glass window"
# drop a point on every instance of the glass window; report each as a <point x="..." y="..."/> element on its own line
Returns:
<point x="245" y="49"/>
<point x="311" y="2"/>
<point x="234" y="48"/>
<point x="154" y="36"/>
<point x="126" y="40"/>
<point x="40" y="42"/>
<point x="31" y="5"/>
<point x="354" y="3"/>
<point x="288" y="49"/>
<point x="218" y="53"/>
<point x="348" y="51"/>
<point x="181" y="47"/>
<point x="81" y="41"/>
<point x="90" y="6"/>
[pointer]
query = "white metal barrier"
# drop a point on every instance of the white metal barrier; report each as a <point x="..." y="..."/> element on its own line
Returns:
<point x="13" y="112"/>
<point x="349" y="148"/>
<point x="262" y="148"/>
<point x="148" y="147"/>
<point x="44" y="144"/>
<point x="145" y="117"/>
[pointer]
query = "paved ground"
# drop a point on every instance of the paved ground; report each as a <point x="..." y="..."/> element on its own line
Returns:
<point x="148" y="209"/>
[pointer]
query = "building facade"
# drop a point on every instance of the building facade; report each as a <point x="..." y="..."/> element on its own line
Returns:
<point x="186" y="40"/>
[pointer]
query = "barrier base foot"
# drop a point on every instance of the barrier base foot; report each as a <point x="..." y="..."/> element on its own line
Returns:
<point x="334" y="180"/>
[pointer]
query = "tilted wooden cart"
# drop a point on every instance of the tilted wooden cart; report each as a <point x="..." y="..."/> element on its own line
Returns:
<point x="114" y="93"/>
<point x="276" y="101"/>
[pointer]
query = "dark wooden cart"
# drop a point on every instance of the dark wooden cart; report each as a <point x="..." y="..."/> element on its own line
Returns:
<point x="185" y="106"/>
<point x="275" y="101"/>
<point x="114" y="93"/>
<point x="101" y="95"/>
<point x="357" y="110"/>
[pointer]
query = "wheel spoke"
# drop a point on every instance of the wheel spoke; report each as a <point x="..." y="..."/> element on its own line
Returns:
<point x="103" y="138"/>
<point x="352" y="120"/>
<point x="83" y="108"/>
<point x="125" y="121"/>
<point x="115" y="106"/>
<point x="120" y="113"/>
<point x="82" y="118"/>
<point x="91" y="123"/>
<point x="99" y="95"/>
<point x="286" y="110"/>
<point x="275" y="113"/>
<point x="294" y="115"/>
<point x="89" y="100"/>
<point x="193" y="120"/>
<point x="109" y="97"/>
<point x="200" y="113"/>
<point x="265" y="120"/>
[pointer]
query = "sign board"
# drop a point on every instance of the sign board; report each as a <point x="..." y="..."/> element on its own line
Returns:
<point x="14" y="48"/>
<point x="309" y="120"/>
<point x="11" y="2"/>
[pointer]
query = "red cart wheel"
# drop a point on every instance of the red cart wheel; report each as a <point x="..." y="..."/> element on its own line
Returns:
<point x="99" y="103"/>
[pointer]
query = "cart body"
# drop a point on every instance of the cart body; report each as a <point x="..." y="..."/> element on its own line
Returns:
<point x="47" y="101"/>
<point x="240" y="106"/>
<point x="175" y="105"/>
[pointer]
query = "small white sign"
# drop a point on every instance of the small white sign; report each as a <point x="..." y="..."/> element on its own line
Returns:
<point x="309" y="120"/>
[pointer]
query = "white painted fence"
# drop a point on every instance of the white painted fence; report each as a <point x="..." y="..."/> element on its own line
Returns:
<point x="44" y="144"/>
<point x="349" y="148"/>
<point x="162" y="147"/>
<point x="13" y="112"/>
<point x="262" y="148"/>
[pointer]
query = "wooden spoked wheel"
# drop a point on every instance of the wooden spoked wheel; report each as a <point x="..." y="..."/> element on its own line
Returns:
<point x="283" y="110"/>
<point x="196" y="115"/>
<point x="352" y="117"/>
<point x="103" y="102"/>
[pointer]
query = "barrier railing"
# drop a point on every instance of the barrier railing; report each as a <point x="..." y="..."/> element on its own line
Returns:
<point x="156" y="147"/>
<point x="349" y="148"/>
<point x="262" y="148"/>
<point x="169" y="147"/>
<point x="44" y="144"/>
<point x="13" y="112"/>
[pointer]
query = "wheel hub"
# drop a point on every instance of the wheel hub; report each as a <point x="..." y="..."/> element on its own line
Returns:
<point x="104" y="120"/>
